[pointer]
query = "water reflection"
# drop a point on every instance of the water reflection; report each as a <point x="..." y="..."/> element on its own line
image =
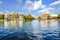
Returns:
<point x="44" y="24"/>
<point x="10" y="24"/>
<point x="50" y="29"/>
<point x="13" y="24"/>
<point x="1" y="23"/>
<point x="45" y="29"/>
<point x="21" y="23"/>
<point x="33" y="30"/>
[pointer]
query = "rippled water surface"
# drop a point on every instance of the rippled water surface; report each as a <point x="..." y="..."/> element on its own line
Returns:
<point x="30" y="30"/>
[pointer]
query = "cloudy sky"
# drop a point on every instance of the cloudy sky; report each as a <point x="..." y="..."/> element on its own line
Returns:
<point x="34" y="7"/>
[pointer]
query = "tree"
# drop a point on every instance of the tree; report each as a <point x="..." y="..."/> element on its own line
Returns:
<point x="28" y="17"/>
<point x="38" y="17"/>
<point x="1" y="16"/>
<point x="58" y="16"/>
<point x="13" y="16"/>
<point x="48" y="17"/>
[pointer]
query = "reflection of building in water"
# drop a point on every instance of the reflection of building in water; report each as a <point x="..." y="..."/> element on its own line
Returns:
<point x="20" y="23"/>
<point x="14" y="24"/>
<point x="53" y="23"/>
<point x="44" y="23"/>
<point x="10" y="24"/>
<point x="6" y="24"/>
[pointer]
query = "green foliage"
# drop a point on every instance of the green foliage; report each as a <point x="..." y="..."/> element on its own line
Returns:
<point x="38" y="17"/>
<point x="1" y="22"/>
<point x="13" y="16"/>
<point x="48" y="17"/>
<point x="1" y="16"/>
<point x="58" y="16"/>
<point x="28" y="17"/>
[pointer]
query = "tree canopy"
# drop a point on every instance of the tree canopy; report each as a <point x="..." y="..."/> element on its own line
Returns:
<point x="58" y="16"/>
<point x="1" y="16"/>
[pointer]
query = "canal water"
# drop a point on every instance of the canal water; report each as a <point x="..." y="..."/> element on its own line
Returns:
<point x="30" y="30"/>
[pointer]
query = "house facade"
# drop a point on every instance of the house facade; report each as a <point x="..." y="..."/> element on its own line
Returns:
<point x="44" y="16"/>
<point x="13" y="17"/>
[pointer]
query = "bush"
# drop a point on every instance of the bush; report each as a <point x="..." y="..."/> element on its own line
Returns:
<point x="1" y="16"/>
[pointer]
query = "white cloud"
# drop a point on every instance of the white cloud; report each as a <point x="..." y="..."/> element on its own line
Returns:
<point x="28" y="4"/>
<point x="53" y="15"/>
<point x="34" y="5"/>
<point x="45" y="10"/>
<point x="0" y="2"/>
<point x="55" y="3"/>
<point x="37" y="4"/>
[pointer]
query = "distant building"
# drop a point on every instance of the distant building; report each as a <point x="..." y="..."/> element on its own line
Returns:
<point x="21" y="18"/>
<point x="10" y="16"/>
<point x="44" y="16"/>
<point x="13" y="17"/>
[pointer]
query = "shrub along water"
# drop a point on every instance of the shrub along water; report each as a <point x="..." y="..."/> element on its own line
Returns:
<point x="28" y="17"/>
<point x="1" y="16"/>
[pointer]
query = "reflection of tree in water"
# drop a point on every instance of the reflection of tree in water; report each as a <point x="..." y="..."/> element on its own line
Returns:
<point x="59" y="27"/>
<point x="1" y="23"/>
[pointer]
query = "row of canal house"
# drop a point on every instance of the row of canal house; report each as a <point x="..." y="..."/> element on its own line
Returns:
<point x="45" y="16"/>
<point x="12" y="16"/>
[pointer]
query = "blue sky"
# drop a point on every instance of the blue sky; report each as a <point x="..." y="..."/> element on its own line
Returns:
<point x="34" y="7"/>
